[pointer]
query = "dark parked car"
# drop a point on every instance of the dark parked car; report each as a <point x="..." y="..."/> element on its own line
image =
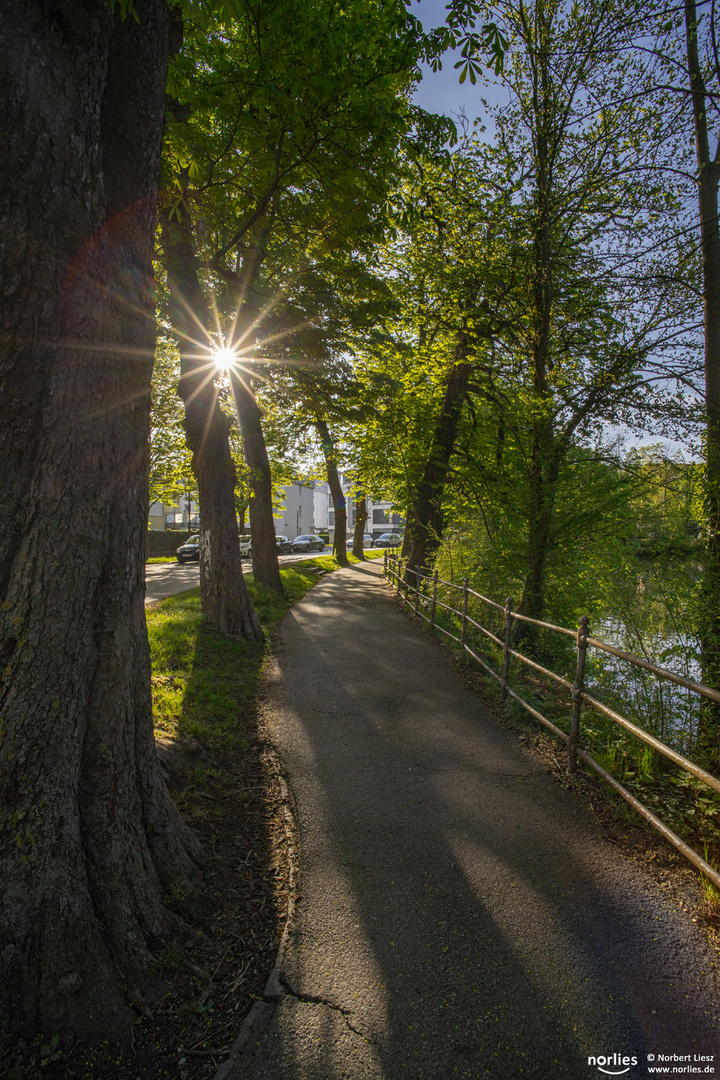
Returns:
<point x="189" y="550"/>
<point x="388" y="539"/>
<point x="308" y="543"/>
<point x="283" y="544"/>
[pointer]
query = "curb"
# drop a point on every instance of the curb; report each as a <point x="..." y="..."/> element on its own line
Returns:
<point x="262" y="1011"/>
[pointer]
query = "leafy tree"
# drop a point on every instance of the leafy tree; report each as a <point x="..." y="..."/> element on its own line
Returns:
<point x="280" y="145"/>
<point x="225" y="600"/>
<point x="589" y="327"/>
<point x="584" y="320"/>
<point x="170" y="459"/>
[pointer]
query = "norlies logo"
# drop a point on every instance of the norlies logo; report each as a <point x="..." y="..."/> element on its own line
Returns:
<point x="602" y="1061"/>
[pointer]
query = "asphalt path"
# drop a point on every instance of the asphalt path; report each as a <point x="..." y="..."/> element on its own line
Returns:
<point x="168" y="579"/>
<point x="460" y="914"/>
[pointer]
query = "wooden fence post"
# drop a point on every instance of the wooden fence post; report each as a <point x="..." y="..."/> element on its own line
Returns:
<point x="508" y="646"/>
<point x="434" y="600"/>
<point x="578" y="686"/>
<point x="466" y="584"/>
<point x="385" y="565"/>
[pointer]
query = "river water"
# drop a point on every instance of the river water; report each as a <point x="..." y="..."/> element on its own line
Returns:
<point x="669" y="711"/>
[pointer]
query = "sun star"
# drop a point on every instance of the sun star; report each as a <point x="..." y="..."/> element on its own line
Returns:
<point x="224" y="358"/>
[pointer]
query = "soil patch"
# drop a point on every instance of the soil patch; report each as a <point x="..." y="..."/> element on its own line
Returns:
<point x="233" y="802"/>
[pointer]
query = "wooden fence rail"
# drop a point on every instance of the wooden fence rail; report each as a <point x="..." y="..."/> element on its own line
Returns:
<point x="394" y="572"/>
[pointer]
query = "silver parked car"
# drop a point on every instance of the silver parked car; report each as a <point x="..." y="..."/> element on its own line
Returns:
<point x="367" y="539"/>
<point x="388" y="539"/>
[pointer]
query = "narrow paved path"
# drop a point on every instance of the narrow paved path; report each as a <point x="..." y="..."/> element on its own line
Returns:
<point x="460" y="915"/>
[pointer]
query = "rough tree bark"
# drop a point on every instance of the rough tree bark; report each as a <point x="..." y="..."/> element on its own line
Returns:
<point x="89" y="839"/>
<point x="361" y="516"/>
<point x="425" y="524"/>
<point x="340" y="533"/>
<point x="543" y="476"/>
<point x="543" y="464"/>
<point x="224" y="596"/>
<point x="266" y="569"/>
<point x="707" y="184"/>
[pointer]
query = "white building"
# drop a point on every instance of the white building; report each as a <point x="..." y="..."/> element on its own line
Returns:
<point x="309" y="507"/>
<point x="297" y="516"/>
<point x="381" y="517"/>
<point x="182" y="516"/>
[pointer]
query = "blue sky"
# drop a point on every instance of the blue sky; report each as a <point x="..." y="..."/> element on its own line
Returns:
<point x="441" y="91"/>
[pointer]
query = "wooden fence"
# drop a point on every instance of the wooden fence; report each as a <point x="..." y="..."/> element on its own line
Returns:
<point x="422" y="597"/>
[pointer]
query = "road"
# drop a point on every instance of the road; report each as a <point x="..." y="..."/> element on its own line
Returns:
<point x="461" y="915"/>
<point x="168" y="579"/>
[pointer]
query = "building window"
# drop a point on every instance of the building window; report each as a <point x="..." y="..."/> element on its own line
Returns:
<point x="380" y="517"/>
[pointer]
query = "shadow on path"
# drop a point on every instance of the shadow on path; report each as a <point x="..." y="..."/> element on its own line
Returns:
<point x="460" y="915"/>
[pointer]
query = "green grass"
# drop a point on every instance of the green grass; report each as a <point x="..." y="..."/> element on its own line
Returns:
<point x="201" y="678"/>
<point x="161" y="559"/>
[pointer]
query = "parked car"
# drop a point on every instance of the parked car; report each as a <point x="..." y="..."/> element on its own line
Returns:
<point x="367" y="539"/>
<point x="388" y="539"/>
<point x="284" y="544"/>
<point x="246" y="547"/>
<point x="189" y="550"/>
<point x="308" y="543"/>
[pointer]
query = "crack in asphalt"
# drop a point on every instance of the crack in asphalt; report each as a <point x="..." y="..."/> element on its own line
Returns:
<point x="310" y="999"/>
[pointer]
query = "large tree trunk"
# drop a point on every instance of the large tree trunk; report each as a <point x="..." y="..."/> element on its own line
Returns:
<point x="361" y="515"/>
<point x="425" y="525"/>
<point x="333" y="479"/>
<point x="89" y="839"/>
<point x="262" y="523"/>
<point x="708" y="178"/>
<point x="543" y="464"/>
<point x="544" y="473"/>
<point x="224" y="596"/>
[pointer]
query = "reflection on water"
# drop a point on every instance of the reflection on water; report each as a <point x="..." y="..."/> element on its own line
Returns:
<point x="669" y="711"/>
